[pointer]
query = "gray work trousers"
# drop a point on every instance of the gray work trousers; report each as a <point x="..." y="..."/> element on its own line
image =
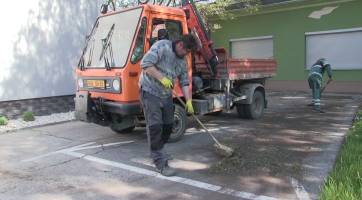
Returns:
<point x="315" y="83"/>
<point x="159" y="121"/>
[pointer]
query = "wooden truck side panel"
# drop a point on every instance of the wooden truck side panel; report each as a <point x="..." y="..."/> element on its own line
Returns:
<point x="239" y="69"/>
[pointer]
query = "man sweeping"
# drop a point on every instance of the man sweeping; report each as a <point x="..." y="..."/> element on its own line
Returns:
<point x="161" y="65"/>
<point x="315" y="79"/>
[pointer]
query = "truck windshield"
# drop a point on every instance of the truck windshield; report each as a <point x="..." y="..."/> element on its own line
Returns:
<point x="124" y="27"/>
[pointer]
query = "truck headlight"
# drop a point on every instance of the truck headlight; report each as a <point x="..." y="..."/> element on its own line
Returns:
<point x="80" y="82"/>
<point x="116" y="85"/>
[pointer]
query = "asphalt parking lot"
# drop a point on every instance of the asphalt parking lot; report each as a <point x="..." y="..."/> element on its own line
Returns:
<point x="284" y="155"/>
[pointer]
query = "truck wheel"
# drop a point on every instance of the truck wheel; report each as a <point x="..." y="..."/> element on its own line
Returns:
<point x="256" y="108"/>
<point x="217" y="113"/>
<point x="126" y="130"/>
<point x="240" y="109"/>
<point x="179" y="124"/>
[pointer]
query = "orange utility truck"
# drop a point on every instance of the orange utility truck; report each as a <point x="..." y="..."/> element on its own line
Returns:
<point x="109" y="68"/>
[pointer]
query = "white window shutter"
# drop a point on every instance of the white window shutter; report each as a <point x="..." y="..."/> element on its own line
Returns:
<point x="341" y="48"/>
<point x="257" y="48"/>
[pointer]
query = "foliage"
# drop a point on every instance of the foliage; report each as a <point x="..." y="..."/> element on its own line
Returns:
<point x="28" y="116"/>
<point x="3" y="121"/>
<point x="206" y="8"/>
<point x="218" y="8"/>
<point x="345" y="180"/>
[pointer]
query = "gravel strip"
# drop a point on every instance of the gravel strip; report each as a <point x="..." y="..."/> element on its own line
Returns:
<point x="40" y="120"/>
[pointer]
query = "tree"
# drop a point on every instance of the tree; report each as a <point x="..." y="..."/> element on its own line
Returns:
<point x="219" y="8"/>
<point x="206" y="8"/>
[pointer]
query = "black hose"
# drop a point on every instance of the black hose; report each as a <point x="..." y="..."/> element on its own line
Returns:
<point x="101" y="100"/>
<point x="236" y="93"/>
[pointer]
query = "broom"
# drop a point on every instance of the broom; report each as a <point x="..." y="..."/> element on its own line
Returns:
<point x="325" y="86"/>
<point x="219" y="148"/>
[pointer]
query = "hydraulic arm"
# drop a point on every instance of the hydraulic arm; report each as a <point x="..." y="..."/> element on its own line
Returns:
<point x="206" y="47"/>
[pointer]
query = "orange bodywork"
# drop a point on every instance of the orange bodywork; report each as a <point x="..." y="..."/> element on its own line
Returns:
<point x="131" y="72"/>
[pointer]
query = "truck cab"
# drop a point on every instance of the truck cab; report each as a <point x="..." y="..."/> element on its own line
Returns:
<point x="108" y="70"/>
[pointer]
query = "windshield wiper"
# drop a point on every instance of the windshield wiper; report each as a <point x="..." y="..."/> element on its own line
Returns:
<point x="81" y="61"/>
<point x="106" y="42"/>
<point x="90" y="54"/>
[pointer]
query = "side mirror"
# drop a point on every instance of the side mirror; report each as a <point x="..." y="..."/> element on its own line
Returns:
<point x="104" y="8"/>
<point x="162" y="34"/>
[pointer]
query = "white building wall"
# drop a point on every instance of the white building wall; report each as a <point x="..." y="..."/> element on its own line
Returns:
<point x="41" y="42"/>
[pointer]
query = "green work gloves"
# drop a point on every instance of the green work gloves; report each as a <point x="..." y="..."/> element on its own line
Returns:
<point x="189" y="109"/>
<point x="167" y="83"/>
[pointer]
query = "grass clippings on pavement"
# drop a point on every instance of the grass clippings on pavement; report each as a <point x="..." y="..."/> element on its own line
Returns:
<point x="275" y="161"/>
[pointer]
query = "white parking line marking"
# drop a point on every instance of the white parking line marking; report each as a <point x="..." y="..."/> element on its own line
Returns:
<point x="190" y="182"/>
<point x="299" y="190"/>
<point x="96" y="146"/>
<point x="177" y="179"/>
<point x="41" y="156"/>
<point x="79" y="147"/>
<point x="52" y="153"/>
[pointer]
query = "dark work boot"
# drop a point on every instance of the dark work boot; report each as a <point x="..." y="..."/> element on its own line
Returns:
<point x="166" y="171"/>
<point x="319" y="110"/>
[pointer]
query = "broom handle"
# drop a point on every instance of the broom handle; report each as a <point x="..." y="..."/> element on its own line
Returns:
<point x="196" y="118"/>
<point x="325" y="85"/>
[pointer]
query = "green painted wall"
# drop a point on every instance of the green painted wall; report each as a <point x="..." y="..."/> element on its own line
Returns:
<point x="288" y="29"/>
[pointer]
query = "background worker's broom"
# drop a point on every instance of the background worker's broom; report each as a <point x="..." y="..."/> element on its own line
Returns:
<point x="325" y="86"/>
<point x="219" y="148"/>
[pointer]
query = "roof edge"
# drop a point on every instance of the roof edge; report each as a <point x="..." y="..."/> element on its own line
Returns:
<point x="283" y="6"/>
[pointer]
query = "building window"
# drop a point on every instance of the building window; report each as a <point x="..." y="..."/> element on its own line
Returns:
<point x="255" y="47"/>
<point x="342" y="48"/>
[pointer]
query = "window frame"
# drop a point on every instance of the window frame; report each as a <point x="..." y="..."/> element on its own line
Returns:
<point x="336" y="67"/>
<point x="130" y="47"/>
<point x="251" y="39"/>
<point x="143" y="41"/>
<point x="166" y="20"/>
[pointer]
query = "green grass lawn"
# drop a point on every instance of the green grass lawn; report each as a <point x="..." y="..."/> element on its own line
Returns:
<point x="345" y="180"/>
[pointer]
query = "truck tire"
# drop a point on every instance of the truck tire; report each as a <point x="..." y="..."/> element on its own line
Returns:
<point x="240" y="109"/>
<point x="126" y="130"/>
<point x="179" y="124"/>
<point x="256" y="108"/>
<point x="217" y="113"/>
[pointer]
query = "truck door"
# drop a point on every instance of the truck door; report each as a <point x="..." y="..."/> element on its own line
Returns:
<point x="174" y="30"/>
<point x="173" y="27"/>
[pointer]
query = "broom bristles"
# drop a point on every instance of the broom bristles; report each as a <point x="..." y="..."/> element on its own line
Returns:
<point x="223" y="150"/>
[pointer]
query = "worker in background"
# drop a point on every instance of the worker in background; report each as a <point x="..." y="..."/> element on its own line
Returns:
<point x="165" y="61"/>
<point x="315" y="79"/>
